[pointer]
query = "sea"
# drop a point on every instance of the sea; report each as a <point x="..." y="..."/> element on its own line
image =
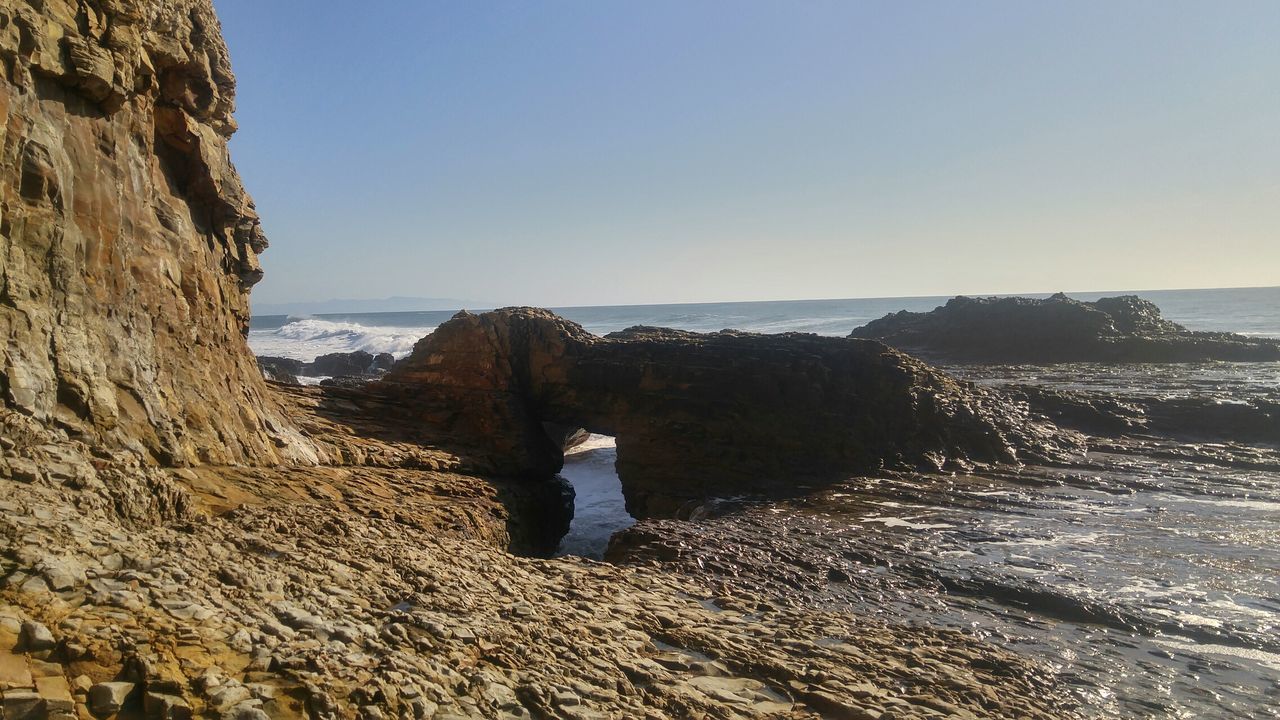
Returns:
<point x="1151" y="582"/>
<point x="1248" y="311"/>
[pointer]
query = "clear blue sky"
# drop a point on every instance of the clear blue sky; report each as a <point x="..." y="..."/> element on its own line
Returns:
<point x="596" y="152"/>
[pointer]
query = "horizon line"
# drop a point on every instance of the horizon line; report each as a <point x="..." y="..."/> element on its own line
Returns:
<point x="744" y="302"/>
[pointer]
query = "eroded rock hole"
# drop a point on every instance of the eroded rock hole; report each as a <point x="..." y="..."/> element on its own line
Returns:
<point x="599" y="508"/>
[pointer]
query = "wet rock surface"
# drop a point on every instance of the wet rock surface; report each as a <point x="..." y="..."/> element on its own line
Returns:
<point x="358" y="364"/>
<point x="1145" y="573"/>
<point x="353" y="363"/>
<point x="1059" y="330"/>
<point x="702" y="415"/>
<point x="1195" y="402"/>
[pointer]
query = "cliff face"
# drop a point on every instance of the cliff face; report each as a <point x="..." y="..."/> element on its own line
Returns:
<point x="127" y="242"/>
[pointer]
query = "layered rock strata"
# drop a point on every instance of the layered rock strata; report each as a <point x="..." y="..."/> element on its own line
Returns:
<point x="127" y="242"/>
<point x="703" y="415"/>
<point x="1058" y="330"/>
<point x="1195" y="402"/>
<point x="373" y="593"/>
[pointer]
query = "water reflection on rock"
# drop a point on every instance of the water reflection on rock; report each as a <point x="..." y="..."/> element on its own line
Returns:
<point x="1147" y="573"/>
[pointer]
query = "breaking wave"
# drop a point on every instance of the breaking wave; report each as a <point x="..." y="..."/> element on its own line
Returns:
<point x="307" y="338"/>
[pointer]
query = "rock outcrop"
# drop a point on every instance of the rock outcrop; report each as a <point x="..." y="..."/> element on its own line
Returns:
<point x="359" y="364"/>
<point x="356" y="364"/>
<point x="704" y="415"/>
<point x="1056" y="330"/>
<point x="127" y="242"/>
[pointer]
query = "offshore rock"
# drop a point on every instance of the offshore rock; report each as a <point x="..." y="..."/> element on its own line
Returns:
<point x="358" y="364"/>
<point x="1058" y="330"/>
<point x="127" y="242"/>
<point x="281" y="369"/>
<point x="698" y="416"/>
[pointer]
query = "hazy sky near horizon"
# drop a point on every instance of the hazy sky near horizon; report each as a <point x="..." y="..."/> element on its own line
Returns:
<point x="570" y="152"/>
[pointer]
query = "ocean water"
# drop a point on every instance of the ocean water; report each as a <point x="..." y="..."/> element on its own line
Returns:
<point x="599" y="508"/>
<point x="1150" y="581"/>
<point x="1250" y="311"/>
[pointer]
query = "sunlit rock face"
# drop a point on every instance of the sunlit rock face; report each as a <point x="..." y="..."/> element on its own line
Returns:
<point x="698" y="416"/>
<point x="127" y="242"/>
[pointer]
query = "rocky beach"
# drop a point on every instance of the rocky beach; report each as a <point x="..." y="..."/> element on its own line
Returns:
<point x="827" y="527"/>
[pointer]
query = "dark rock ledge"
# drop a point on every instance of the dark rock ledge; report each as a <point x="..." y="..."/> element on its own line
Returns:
<point x="358" y="364"/>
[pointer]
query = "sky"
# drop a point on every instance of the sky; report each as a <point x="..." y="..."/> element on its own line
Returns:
<point x="586" y="152"/>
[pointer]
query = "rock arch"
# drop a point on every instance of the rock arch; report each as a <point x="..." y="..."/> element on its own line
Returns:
<point x="703" y="415"/>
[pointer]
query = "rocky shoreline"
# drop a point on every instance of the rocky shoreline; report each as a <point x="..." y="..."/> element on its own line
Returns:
<point x="370" y="589"/>
<point x="182" y="538"/>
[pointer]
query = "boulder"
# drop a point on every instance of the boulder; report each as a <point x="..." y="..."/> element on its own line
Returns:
<point x="281" y="369"/>
<point x="358" y="364"/>
<point x="1057" y="330"/>
<point x="350" y="364"/>
<point x="36" y="638"/>
<point x="107" y="698"/>
<point x="339" y="364"/>
<point x="703" y="415"/>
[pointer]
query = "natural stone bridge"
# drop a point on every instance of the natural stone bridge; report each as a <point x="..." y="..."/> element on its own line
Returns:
<point x="703" y="415"/>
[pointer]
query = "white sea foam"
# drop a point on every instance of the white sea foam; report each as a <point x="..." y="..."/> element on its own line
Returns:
<point x="593" y="442"/>
<point x="1260" y="505"/>
<point x="1267" y="659"/>
<point x="307" y="338"/>
<point x="906" y="523"/>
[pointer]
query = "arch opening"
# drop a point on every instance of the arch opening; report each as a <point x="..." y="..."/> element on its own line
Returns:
<point x="599" y="507"/>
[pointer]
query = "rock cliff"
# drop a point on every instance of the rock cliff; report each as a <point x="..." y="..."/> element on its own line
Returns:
<point x="704" y="415"/>
<point x="127" y="242"/>
<point x="1058" y="330"/>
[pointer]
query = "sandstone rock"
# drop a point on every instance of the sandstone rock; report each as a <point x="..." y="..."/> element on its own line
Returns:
<point x="128" y="242"/>
<point x="23" y="705"/>
<point x="1058" y="329"/>
<point x="227" y="696"/>
<point x="62" y="573"/>
<point x="160" y="706"/>
<point x="107" y="698"/>
<point x="699" y="416"/>
<point x="246" y="711"/>
<point x="56" y="694"/>
<point x="36" y="637"/>
<point x="14" y="672"/>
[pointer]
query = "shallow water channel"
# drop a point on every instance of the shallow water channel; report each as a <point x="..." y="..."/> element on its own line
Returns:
<point x="599" y="508"/>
